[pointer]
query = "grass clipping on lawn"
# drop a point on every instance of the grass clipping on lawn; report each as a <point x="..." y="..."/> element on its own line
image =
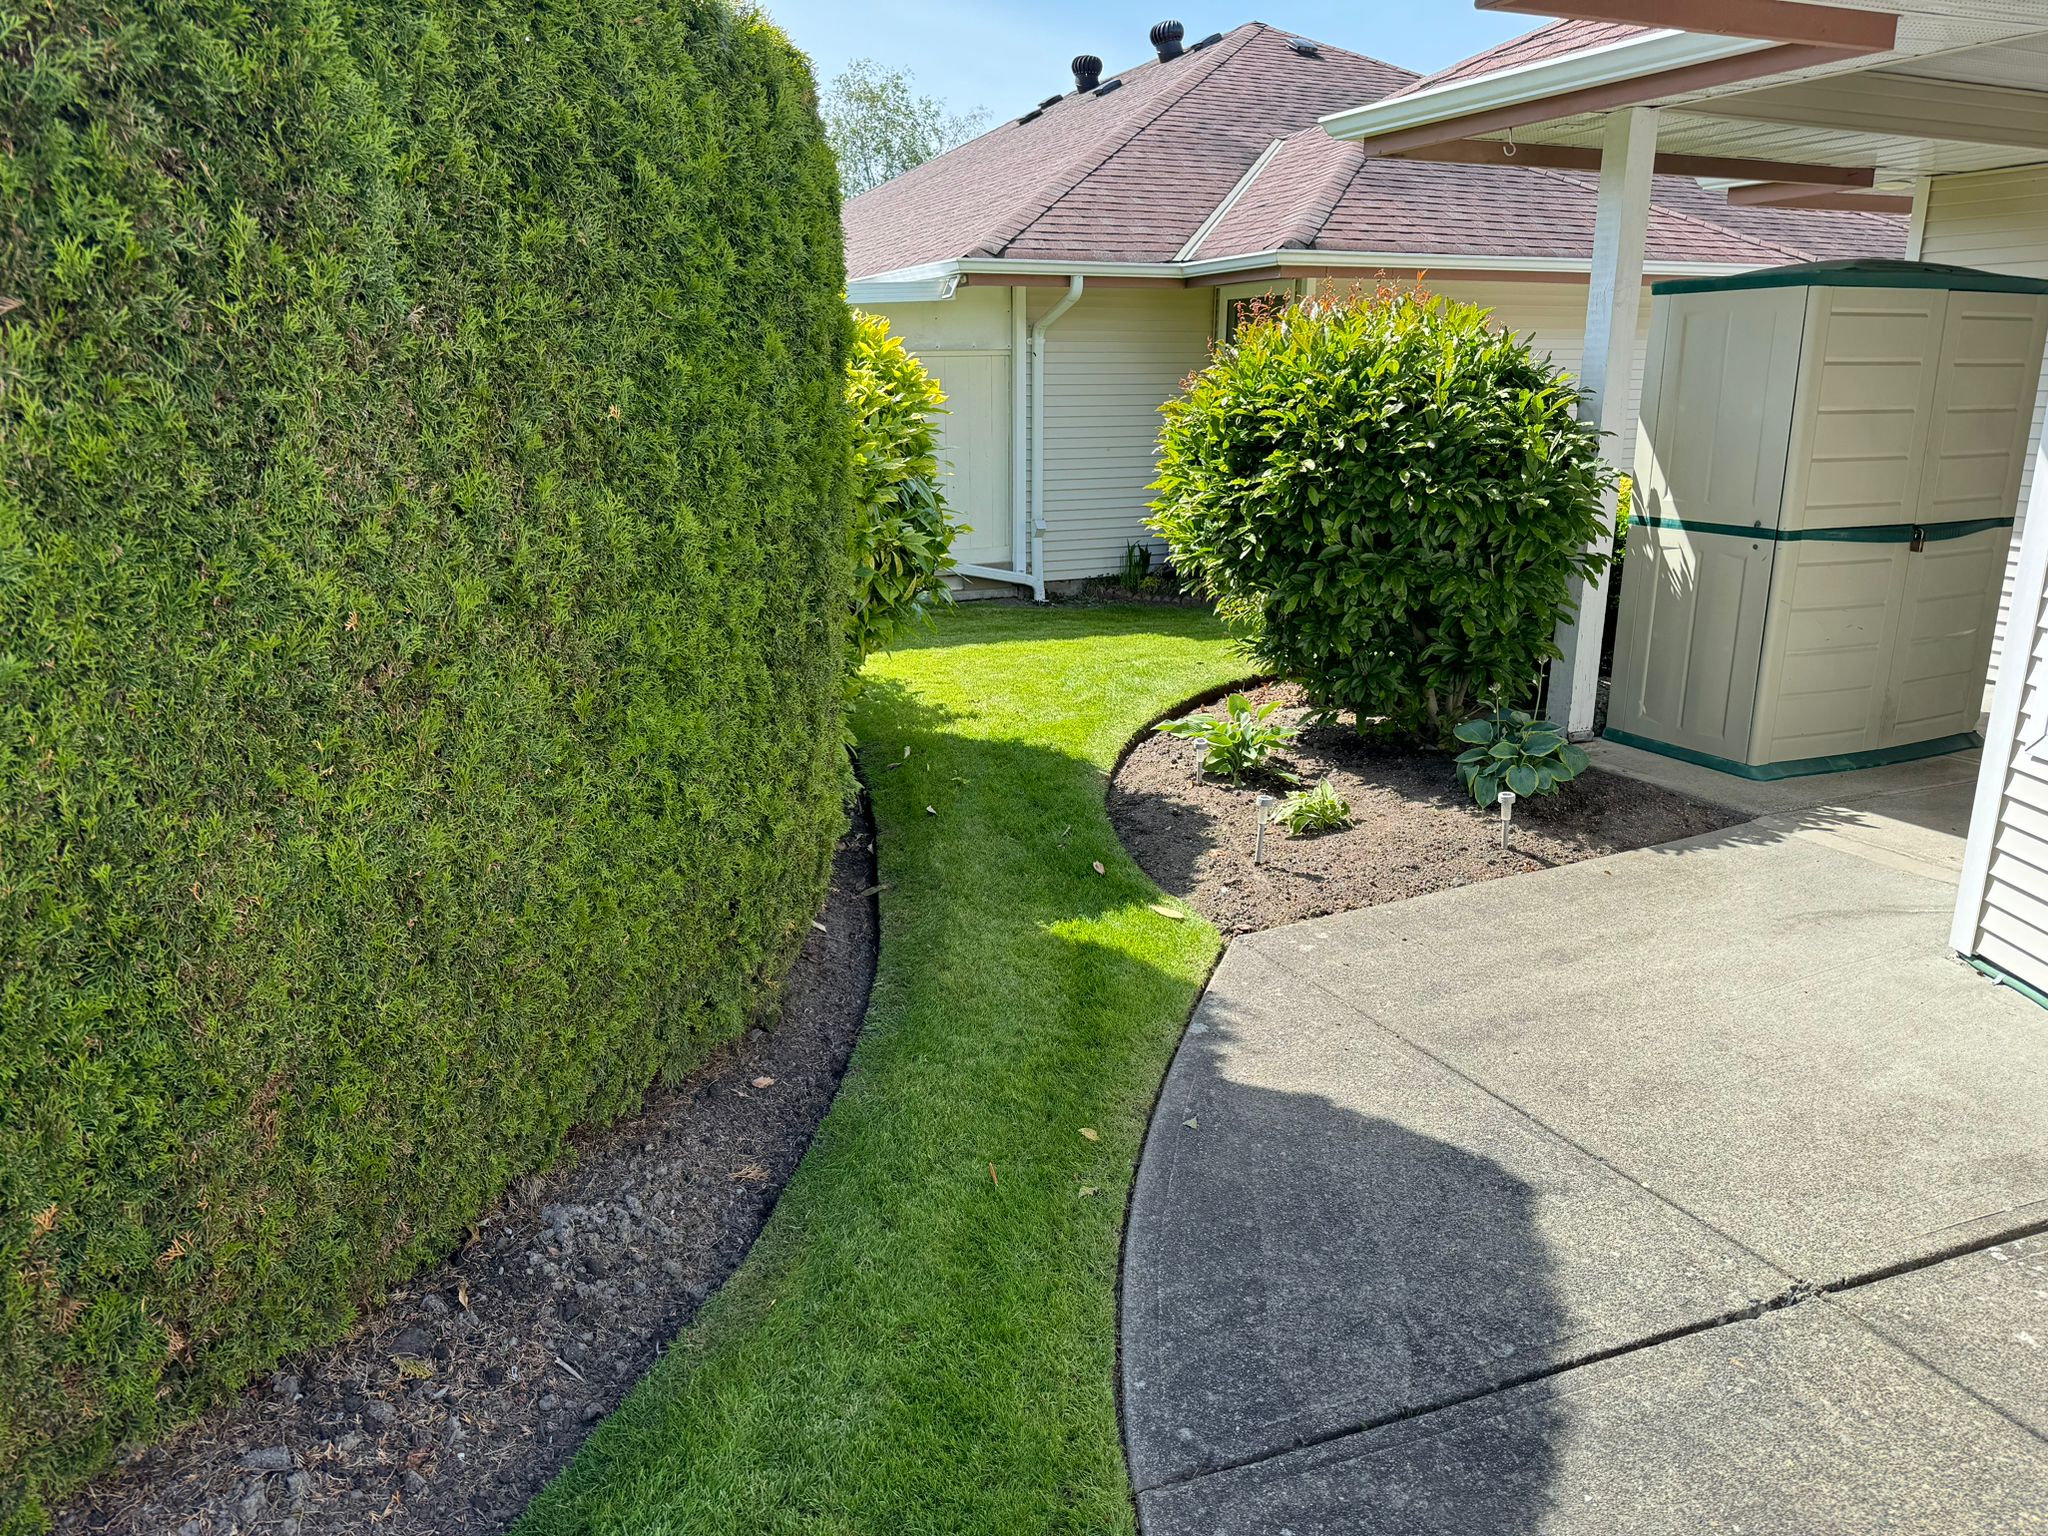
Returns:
<point x="925" y="1337"/>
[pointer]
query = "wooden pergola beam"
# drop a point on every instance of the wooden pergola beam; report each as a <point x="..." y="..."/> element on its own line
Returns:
<point x="1778" y="21"/>
<point x="1572" y="157"/>
<point x="1785" y="194"/>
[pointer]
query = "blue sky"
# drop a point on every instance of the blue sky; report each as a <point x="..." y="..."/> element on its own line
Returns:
<point x="1006" y="54"/>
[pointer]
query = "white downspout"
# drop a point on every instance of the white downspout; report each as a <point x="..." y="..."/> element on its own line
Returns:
<point x="1046" y="323"/>
<point x="1020" y="445"/>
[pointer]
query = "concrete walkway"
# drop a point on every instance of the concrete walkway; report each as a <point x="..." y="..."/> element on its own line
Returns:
<point x="1696" y="1189"/>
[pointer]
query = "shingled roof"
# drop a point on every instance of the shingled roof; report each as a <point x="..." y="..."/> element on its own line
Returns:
<point x="1126" y="176"/>
<point x="1133" y="174"/>
<point x="1318" y="194"/>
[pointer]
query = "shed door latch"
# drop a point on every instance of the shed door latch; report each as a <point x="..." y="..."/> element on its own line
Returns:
<point x="1919" y="539"/>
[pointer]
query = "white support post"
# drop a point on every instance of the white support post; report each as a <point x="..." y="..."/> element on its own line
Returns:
<point x="1614" y="303"/>
<point x="1916" y="227"/>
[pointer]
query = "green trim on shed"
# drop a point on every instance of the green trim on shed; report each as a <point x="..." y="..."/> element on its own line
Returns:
<point x="1868" y="533"/>
<point x="1801" y="767"/>
<point x="1864" y="272"/>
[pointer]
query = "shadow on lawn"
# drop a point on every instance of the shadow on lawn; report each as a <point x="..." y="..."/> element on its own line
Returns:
<point x="1298" y="1272"/>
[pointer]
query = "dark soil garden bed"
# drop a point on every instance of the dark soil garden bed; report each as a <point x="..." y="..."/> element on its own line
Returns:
<point x="1413" y="829"/>
<point x="517" y="1346"/>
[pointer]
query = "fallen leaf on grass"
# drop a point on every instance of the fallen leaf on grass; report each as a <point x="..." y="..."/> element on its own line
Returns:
<point x="931" y="810"/>
<point x="1091" y="1134"/>
<point x="906" y="754"/>
<point x="1097" y="867"/>
<point x="1165" y="911"/>
<point x="764" y="1082"/>
<point x="1089" y="1189"/>
<point x="992" y="1176"/>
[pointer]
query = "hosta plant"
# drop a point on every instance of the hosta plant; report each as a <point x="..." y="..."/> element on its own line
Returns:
<point x="1241" y="740"/>
<point x="1508" y="749"/>
<point x="1309" y="811"/>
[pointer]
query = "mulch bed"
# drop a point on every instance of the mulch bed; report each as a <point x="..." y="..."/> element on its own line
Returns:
<point x="570" y="1291"/>
<point x="1414" y="830"/>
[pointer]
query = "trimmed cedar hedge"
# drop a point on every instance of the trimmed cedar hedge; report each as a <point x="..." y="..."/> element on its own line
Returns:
<point x="423" y="565"/>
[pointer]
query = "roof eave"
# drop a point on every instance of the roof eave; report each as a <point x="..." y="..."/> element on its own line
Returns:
<point x="1615" y="63"/>
<point x="926" y="280"/>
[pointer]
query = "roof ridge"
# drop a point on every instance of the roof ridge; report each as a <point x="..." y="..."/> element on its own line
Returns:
<point x="1316" y="214"/>
<point x="1094" y="158"/>
<point x="1783" y="252"/>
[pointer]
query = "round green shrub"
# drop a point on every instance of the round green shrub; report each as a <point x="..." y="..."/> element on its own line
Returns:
<point x="423" y="578"/>
<point x="901" y="535"/>
<point x="1389" y="498"/>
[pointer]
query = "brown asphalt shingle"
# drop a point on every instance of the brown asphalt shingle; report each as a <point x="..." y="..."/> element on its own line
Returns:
<point x="1131" y="175"/>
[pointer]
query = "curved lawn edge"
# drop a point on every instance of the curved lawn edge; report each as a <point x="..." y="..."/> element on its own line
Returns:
<point x="925" y="1335"/>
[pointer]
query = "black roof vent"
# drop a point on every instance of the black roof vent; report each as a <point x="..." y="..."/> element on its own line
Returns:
<point x="1213" y="37"/>
<point x="1050" y="101"/>
<point x="1107" y="86"/>
<point x="1033" y="115"/>
<point x="1304" y="47"/>
<point x="1166" y="38"/>
<point x="1087" y="71"/>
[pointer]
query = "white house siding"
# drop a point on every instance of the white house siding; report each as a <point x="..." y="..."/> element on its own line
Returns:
<point x="964" y="343"/>
<point x="1110" y="363"/>
<point x="1997" y="221"/>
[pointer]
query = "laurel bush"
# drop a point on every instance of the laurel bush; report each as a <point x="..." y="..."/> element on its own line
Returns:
<point x="1388" y="497"/>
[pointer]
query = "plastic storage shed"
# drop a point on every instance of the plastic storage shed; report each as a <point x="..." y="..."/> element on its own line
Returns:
<point x="1828" y="464"/>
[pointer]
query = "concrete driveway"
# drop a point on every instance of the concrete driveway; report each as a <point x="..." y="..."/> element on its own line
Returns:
<point x="1697" y="1189"/>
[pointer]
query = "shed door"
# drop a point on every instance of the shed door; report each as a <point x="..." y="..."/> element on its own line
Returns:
<point x="974" y="449"/>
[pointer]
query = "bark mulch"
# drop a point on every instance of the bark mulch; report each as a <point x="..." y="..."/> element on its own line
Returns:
<point x="1414" y="829"/>
<point x="567" y="1293"/>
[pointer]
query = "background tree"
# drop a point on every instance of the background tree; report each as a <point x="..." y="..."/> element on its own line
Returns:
<point x="881" y="127"/>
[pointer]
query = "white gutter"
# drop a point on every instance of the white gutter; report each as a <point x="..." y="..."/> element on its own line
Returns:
<point x="880" y="292"/>
<point x="1075" y="284"/>
<point x="1254" y="261"/>
<point x="1222" y="209"/>
<point x="1631" y="58"/>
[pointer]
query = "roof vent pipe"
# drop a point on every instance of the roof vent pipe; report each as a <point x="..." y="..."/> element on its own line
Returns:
<point x="1087" y="71"/>
<point x="1166" y="38"/>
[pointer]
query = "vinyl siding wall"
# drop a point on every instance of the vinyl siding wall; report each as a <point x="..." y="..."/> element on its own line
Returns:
<point x="1110" y="363"/>
<point x="1112" y="360"/>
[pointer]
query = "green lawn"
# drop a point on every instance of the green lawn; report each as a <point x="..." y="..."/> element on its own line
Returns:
<point x="916" y="1345"/>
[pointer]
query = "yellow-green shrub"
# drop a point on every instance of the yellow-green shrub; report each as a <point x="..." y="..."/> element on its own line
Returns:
<point x="423" y="569"/>
<point x="901" y="536"/>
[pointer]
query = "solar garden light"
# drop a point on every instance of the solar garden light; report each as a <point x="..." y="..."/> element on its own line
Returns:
<point x="1259" y="815"/>
<point x="1507" y="814"/>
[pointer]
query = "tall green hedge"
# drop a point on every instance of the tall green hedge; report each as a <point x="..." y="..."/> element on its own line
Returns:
<point x="423" y="575"/>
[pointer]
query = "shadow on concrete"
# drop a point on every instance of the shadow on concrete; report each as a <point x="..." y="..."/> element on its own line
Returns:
<point x="1296" y="1272"/>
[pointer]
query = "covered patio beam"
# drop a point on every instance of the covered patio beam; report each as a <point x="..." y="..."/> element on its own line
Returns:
<point x="1780" y="21"/>
<point x="1574" y="157"/>
<point x="1614" y="301"/>
<point x="1757" y="64"/>
<point x="1793" y="194"/>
